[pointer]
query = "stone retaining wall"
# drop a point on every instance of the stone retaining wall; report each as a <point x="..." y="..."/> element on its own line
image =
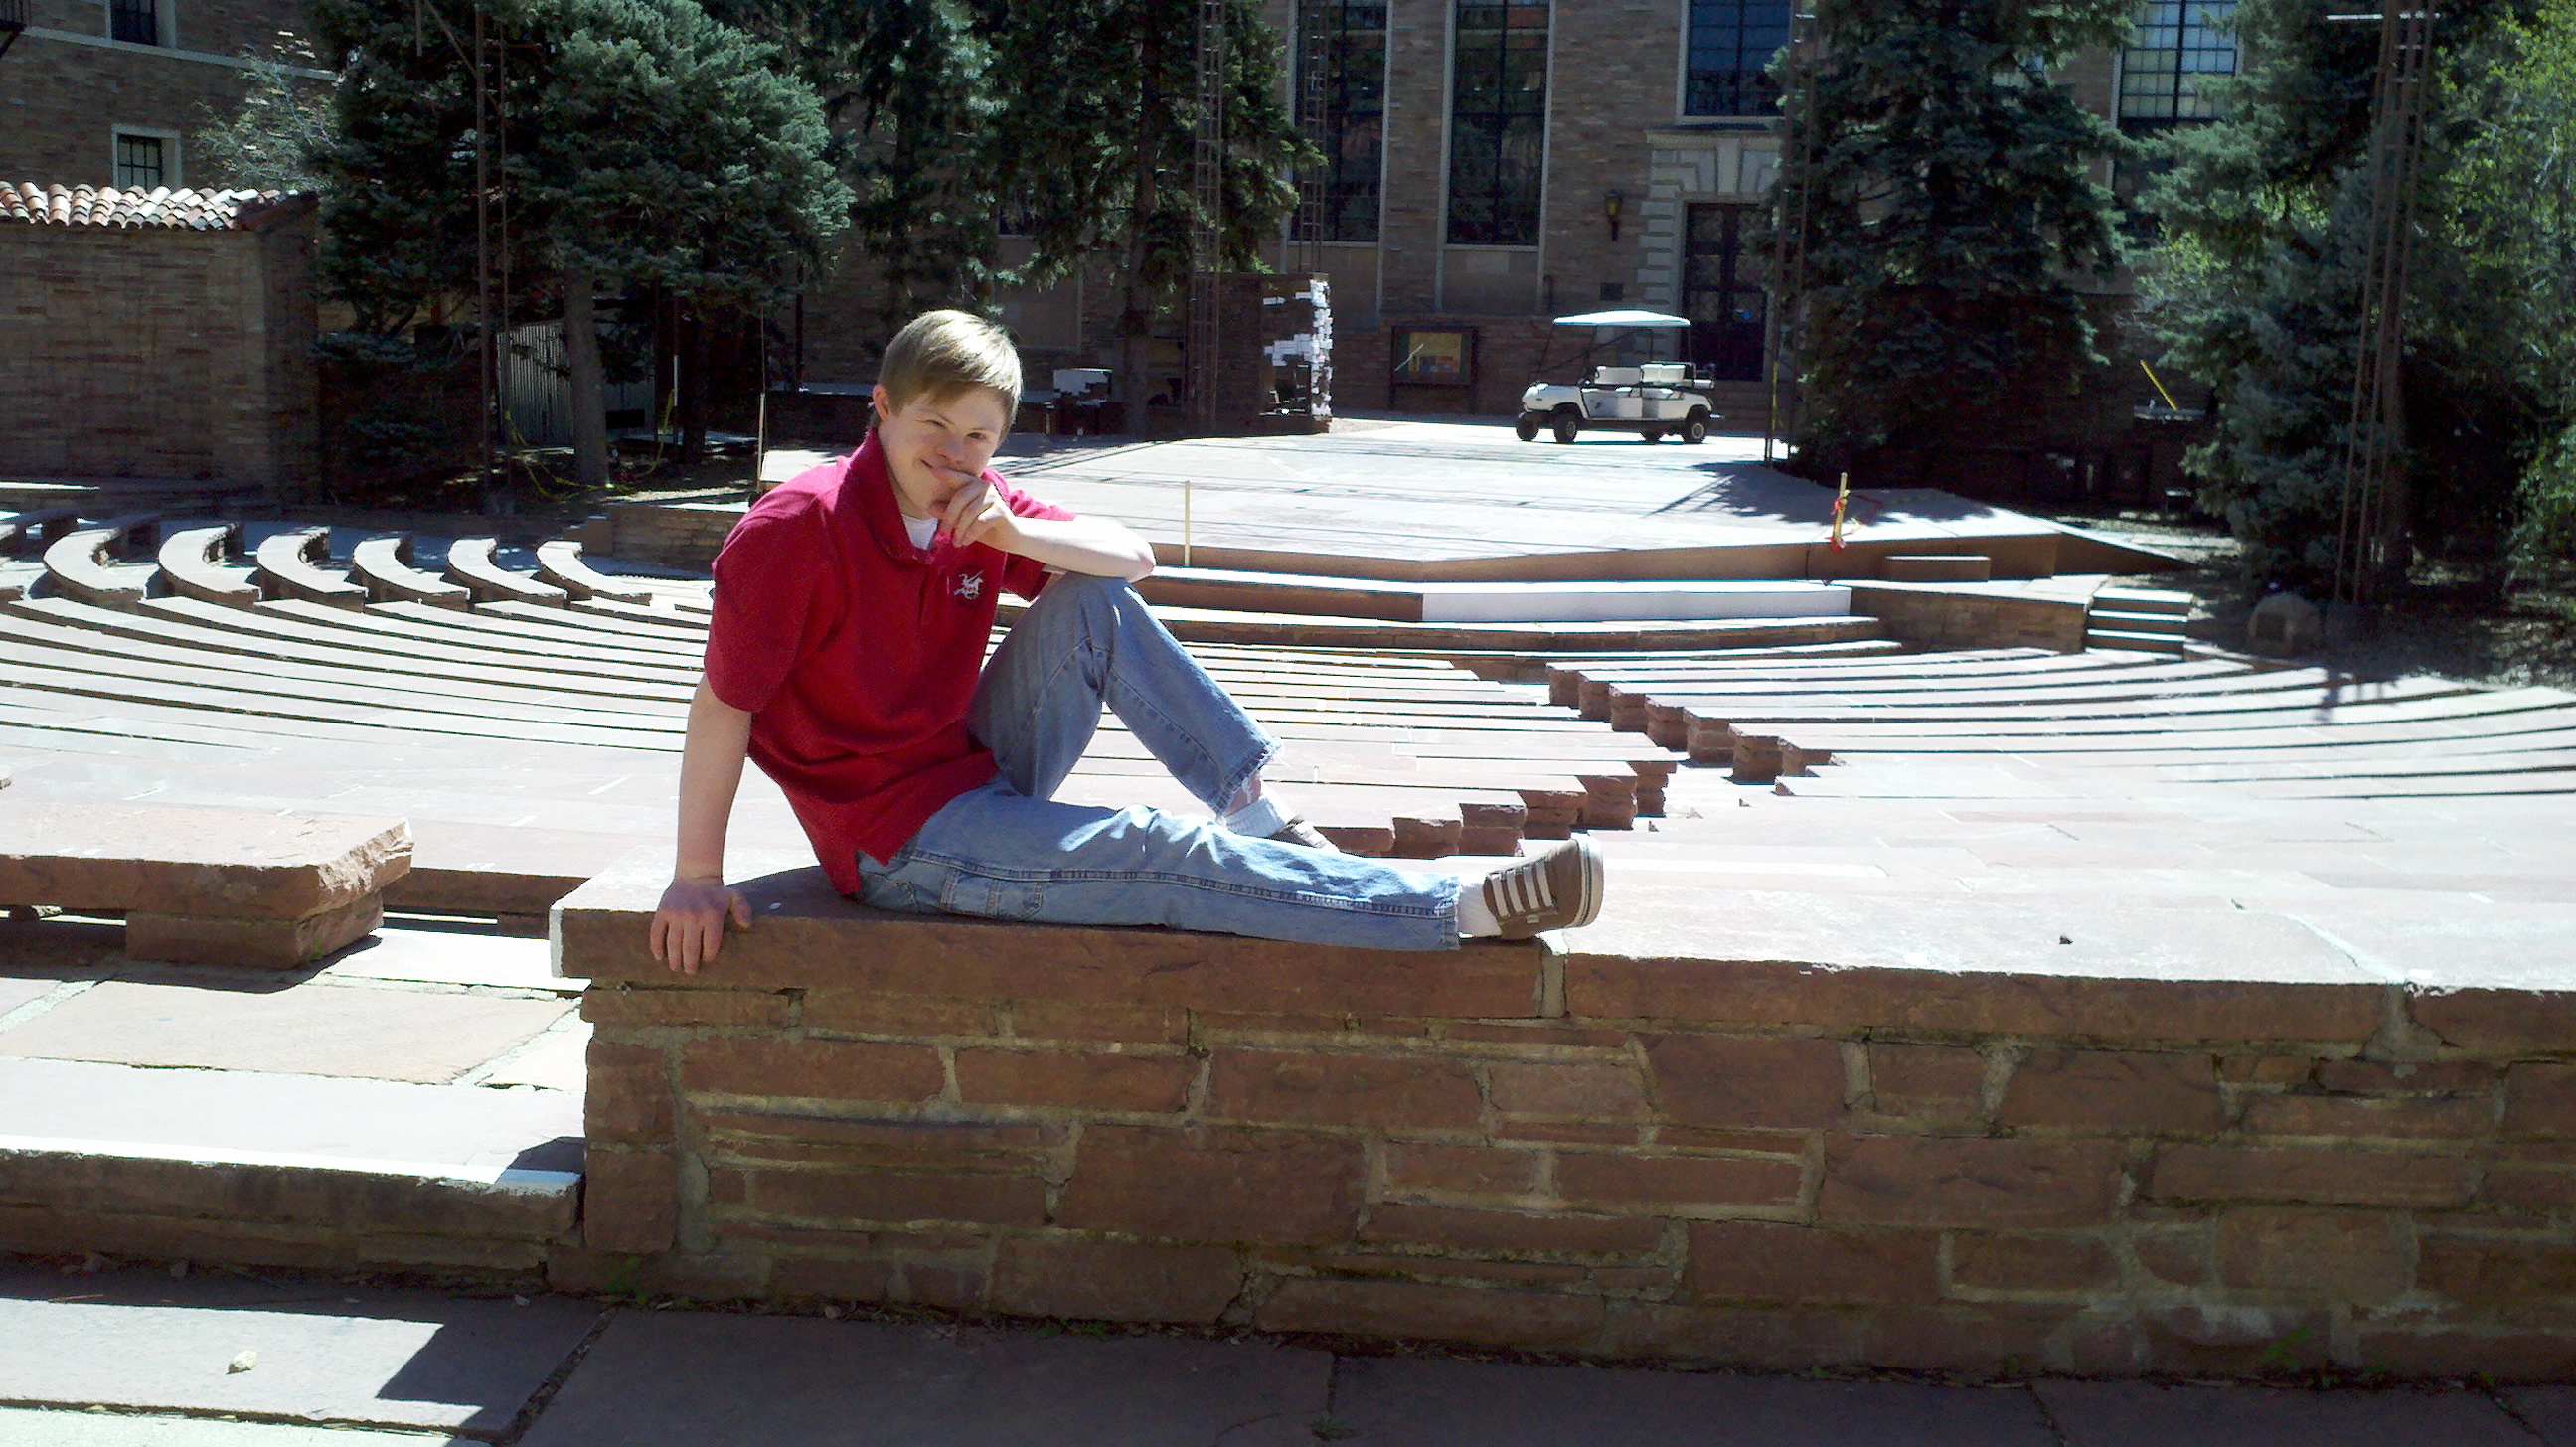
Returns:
<point x="670" y="534"/>
<point x="1618" y="1157"/>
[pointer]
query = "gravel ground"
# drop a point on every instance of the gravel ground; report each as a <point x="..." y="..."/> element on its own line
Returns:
<point x="2449" y="623"/>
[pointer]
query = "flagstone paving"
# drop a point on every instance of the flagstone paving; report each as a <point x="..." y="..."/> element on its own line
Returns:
<point x="296" y="1354"/>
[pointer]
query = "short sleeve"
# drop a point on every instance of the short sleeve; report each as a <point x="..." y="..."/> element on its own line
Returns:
<point x="771" y="575"/>
<point x="1025" y="576"/>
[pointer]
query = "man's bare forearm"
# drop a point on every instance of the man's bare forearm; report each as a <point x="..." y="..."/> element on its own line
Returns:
<point x="710" y="775"/>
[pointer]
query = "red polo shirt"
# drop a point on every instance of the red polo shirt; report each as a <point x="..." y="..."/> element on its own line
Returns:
<point x="856" y="653"/>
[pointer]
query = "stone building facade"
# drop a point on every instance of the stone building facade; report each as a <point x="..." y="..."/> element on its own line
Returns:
<point x="1649" y="140"/>
<point x="111" y="93"/>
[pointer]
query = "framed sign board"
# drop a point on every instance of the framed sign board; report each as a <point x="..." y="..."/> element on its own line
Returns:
<point x="1435" y="358"/>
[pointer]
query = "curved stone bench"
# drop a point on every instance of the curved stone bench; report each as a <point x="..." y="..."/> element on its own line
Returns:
<point x="78" y="567"/>
<point x="286" y="567"/>
<point x="469" y="562"/>
<point x="37" y="525"/>
<point x="559" y="562"/>
<point x="383" y="566"/>
<point x="192" y="564"/>
<point x="207" y="886"/>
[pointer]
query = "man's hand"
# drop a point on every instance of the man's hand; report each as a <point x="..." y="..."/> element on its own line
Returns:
<point x="976" y="514"/>
<point x="689" y="926"/>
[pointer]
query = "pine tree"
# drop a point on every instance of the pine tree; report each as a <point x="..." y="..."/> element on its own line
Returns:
<point x="639" y="143"/>
<point x="1949" y="205"/>
<point x="2255" y="288"/>
<point x="1093" y="143"/>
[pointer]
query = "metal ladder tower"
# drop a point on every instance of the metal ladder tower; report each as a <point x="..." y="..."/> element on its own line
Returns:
<point x="1207" y="229"/>
<point x="1793" y="189"/>
<point x="2370" y="542"/>
<point x="1314" y="88"/>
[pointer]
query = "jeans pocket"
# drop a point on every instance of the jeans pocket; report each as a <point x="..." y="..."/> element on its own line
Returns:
<point x="991" y="898"/>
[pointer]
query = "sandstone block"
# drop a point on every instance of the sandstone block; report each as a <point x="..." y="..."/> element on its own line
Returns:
<point x="2030" y="1263"/>
<point x="2359" y="1256"/>
<point x="715" y="1009"/>
<point x="1337" y="1089"/>
<point x="1940" y="1082"/>
<point x="259" y="944"/>
<point x="1107" y="1281"/>
<point x="1738" y="1080"/>
<point x="1214" y="1185"/>
<point x="1973" y="1184"/>
<point x="2123" y="1091"/>
<point x="1471" y="1230"/>
<point x="2540" y="1100"/>
<point x="1679" y="1182"/>
<point x="852" y="1198"/>
<point x="1480" y="1170"/>
<point x="196" y="863"/>
<point x="630" y="1202"/>
<point x="2312" y="1175"/>
<point x="1582" y="1092"/>
<point x="2486" y="1273"/>
<point x="2350" y="1117"/>
<point x="1087" y="1080"/>
<point x="814" y="1069"/>
<point x="628" y="1099"/>
<point x="1743" y="1261"/>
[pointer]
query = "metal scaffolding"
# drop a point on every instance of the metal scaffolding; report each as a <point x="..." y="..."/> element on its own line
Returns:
<point x="1314" y="86"/>
<point x="1793" y="188"/>
<point x="2370" y="543"/>
<point x="1207" y="231"/>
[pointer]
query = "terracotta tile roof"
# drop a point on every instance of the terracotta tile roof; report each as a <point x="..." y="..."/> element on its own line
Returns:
<point x="186" y="208"/>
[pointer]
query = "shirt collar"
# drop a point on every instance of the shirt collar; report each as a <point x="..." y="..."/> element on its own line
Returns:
<point x="871" y="485"/>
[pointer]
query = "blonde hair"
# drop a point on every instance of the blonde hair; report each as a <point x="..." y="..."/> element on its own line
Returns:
<point x="943" y="353"/>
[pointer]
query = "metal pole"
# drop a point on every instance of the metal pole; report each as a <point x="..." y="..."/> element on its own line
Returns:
<point x="483" y="248"/>
<point x="1207" y="236"/>
<point x="2370" y="537"/>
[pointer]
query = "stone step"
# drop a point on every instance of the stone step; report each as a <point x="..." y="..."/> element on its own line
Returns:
<point x="2145" y="600"/>
<point x="2173" y="643"/>
<point x="251" y="1168"/>
<point x="2171" y="625"/>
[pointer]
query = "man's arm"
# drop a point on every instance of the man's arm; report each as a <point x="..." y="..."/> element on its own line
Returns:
<point x="1094" y="546"/>
<point x="689" y="926"/>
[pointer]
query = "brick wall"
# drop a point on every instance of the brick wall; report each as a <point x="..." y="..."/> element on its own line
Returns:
<point x="1594" y="1154"/>
<point x="159" y="352"/>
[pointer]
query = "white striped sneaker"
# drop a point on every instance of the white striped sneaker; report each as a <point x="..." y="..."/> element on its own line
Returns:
<point x="1557" y="888"/>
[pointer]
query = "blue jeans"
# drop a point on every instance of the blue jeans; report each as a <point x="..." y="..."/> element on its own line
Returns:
<point x="1009" y="851"/>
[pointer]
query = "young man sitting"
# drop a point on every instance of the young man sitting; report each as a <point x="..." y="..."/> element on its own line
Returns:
<point x="852" y="606"/>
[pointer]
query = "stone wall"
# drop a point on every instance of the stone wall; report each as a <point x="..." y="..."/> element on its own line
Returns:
<point x="1604" y="1155"/>
<point x="1935" y="615"/>
<point x="163" y="352"/>
<point x="670" y="534"/>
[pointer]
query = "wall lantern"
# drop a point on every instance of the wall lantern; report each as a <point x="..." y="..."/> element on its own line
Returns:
<point x="1611" y="201"/>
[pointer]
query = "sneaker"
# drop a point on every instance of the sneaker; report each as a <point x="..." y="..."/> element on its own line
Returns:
<point x="1298" y="831"/>
<point x="1557" y="888"/>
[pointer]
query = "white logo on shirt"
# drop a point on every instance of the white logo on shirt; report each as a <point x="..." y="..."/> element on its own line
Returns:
<point x="970" y="586"/>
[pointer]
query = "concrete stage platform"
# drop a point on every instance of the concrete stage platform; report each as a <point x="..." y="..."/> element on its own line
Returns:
<point x="1465" y="502"/>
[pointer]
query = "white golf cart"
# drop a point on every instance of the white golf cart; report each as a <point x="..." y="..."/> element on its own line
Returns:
<point x="1652" y="399"/>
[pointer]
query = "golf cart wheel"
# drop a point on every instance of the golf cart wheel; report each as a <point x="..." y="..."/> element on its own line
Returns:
<point x="1526" y="427"/>
<point x="1566" y="424"/>
<point x="1695" y="428"/>
<point x="1650" y="435"/>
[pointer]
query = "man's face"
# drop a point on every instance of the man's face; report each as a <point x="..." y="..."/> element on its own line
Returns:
<point x="935" y="448"/>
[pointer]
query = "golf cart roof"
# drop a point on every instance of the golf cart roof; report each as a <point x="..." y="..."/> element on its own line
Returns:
<point x="1623" y="319"/>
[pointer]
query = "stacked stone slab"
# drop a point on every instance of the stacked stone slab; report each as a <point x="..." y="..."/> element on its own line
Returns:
<point x="1749" y="1159"/>
<point x="207" y="886"/>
